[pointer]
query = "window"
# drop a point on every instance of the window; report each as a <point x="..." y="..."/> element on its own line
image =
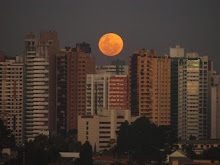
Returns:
<point x="50" y="42"/>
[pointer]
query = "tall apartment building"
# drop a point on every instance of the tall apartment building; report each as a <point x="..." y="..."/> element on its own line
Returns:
<point x="149" y="81"/>
<point x="50" y="41"/>
<point x="40" y="84"/>
<point x="97" y="86"/>
<point x="106" y="91"/>
<point x="12" y="96"/>
<point x="190" y="114"/>
<point x="176" y="54"/>
<point x="117" y="67"/>
<point x="214" y="106"/>
<point x="100" y="129"/>
<point x="61" y="91"/>
<point x="73" y="64"/>
<point x="193" y="97"/>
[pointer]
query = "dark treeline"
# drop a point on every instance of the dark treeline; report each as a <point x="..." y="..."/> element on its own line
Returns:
<point x="141" y="142"/>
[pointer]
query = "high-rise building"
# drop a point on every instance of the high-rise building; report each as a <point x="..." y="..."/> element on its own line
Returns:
<point x="193" y="97"/>
<point x="215" y="107"/>
<point x="12" y="96"/>
<point x="106" y="91"/>
<point x="214" y="104"/>
<point x="176" y="54"/>
<point x="97" y="86"/>
<point x="73" y="64"/>
<point x="149" y="80"/>
<point x="50" y="41"/>
<point x="40" y="84"/>
<point x="190" y="116"/>
<point x="61" y="91"/>
<point x="117" y="67"/>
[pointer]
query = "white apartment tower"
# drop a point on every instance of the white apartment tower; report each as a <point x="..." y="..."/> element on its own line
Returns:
<point x="96" y="92"/>
<point x="36" y="88"/>
<point x="193" y="97"/>
<point x="40" y="76"/>
<point x="12" y="96"/>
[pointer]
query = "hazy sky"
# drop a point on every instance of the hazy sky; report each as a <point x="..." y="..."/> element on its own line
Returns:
<point x="158" y="24"/>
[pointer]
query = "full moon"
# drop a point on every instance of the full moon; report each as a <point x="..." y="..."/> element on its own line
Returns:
<point x="110" y="44"/>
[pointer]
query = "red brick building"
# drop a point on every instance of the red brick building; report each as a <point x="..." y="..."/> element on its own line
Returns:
<point x="118" y="92"/>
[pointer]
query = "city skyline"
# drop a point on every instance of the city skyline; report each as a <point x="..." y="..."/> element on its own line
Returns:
<point x="53" y="91"/>
<point x="90" y="82"/>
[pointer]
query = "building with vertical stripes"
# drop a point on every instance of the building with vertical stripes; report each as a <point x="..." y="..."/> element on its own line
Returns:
<point x="149" y="84"/>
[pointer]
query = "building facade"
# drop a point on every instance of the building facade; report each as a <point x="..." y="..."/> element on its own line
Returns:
<point x="193" y="97"/>
<point x="40" y="84"/>
<point x="97" y="86"/>
<point x="149" y="81"/>
<point x="61" y="92"/>
<point x="73" y="64"/>
<point x="100" y="129"/>
<point x="215" y="107"/>
<point x="12" y="96"/>
<point x="199" y="146"/>
<point x="176" y="54"/>
<point x="118" y="92"/>
<point x="106" y="91"/>
<point x="117" y="67"/>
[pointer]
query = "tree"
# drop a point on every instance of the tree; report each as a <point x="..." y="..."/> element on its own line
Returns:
<point x="212" y="153"/>
<point x="45" y="150"/>
<point x="189" y="150"/>
<point x="42" y="150"/>
<point x="143" y="141"/>
<point x="124" y="140"/>
<point x="86" y="154"/>
<point x="7" y="140"/>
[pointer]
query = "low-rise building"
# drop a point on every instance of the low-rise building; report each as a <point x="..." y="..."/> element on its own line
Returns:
<point x="100" y="130"/>
<point x="199" y="145"/>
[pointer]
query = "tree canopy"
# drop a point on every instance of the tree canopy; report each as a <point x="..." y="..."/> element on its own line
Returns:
<point x="86" y="154"/>
<point x="212" y="153"/>
<point x="7" y="140"/>
<point x="143" y="140"/>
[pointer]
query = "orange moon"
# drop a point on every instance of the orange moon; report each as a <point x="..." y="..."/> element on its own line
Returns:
<point x="110" y="44"/>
